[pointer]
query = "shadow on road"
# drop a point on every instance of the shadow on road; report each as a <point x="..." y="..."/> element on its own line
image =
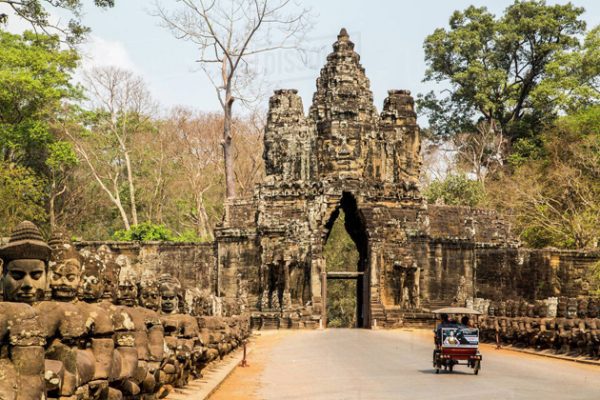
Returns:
<point x="455" y="372"/>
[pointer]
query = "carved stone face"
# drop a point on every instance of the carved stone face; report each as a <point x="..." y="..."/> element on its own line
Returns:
<point x="571" y="308"/>
<point x="92" y="283"/>
<point x="65" y="279"/>
<point x="92" y="287"/>
<point x="127" y="293"/>
<point x="501" y="310"/>
<point x="150" y="296"/>
<point x="169" y="302"/>
<point x="24" y="281"/>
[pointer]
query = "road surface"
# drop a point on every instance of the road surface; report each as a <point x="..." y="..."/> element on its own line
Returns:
<point x="378" y="364"/>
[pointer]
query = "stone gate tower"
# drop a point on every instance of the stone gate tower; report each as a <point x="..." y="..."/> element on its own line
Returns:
<point x="342" y="155"/>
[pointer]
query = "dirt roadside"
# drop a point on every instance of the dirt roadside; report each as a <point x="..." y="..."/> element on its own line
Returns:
<point x="244" y="383"/>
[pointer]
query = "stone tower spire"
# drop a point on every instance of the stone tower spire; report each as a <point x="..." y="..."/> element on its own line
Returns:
<point x="343" y="91"/>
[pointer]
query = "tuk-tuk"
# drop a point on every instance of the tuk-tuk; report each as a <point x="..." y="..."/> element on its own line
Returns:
<point x="456" y="343"/>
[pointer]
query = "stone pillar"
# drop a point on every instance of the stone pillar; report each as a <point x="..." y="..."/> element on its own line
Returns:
<point x="286" y="302"/>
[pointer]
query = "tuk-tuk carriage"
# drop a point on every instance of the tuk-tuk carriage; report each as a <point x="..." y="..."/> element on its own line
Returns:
<point x="455" y="343"/>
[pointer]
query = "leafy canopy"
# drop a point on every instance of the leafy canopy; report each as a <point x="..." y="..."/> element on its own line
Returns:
<point x="148" y="231"/>
<point x="35" y="12"/>
<point x="492" y="65"/>
<point x="555" y="198"/>
<point x="455" y="190"/>
<point x="21" y="195"/>
<point x="35" y="83"/>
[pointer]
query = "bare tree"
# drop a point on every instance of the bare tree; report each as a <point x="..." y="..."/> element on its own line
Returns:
<point x="249" y="164"/>
<point x="199" y="162"/>
<point x="480" y="152"/>
<point x="121" y="108"/>
<point x="229" y="33"/>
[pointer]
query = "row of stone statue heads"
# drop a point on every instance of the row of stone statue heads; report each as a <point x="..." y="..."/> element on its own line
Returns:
<point x="83" y="325"/>
<point x="568" y="326"/>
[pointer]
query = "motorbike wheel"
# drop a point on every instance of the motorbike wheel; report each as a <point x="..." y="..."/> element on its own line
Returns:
<point x="477" y="367"/>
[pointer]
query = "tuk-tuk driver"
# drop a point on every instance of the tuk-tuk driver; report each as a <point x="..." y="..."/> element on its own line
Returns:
<point x="446" y="323"/>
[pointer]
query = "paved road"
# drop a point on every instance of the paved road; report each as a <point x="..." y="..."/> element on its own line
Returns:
<point x="366" y="364"/>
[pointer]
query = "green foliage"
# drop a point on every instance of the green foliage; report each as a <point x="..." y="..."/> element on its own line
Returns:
<point x="35" y="79"/>
<point x="594" y="272"/>
<point x="456" y="190"/>
<point x="34" y="12"/>
<point x="61" y="155"/>
<point x="525" y="149"/>
<point x="555" y="197"/>
<point x="148" y="231"/>
<point x="341" y="255"/>
<point x="493" y="64"/>
<point x="573" y="77"/>
<point x="341" y="303"/>
<point x="21" y="196"/>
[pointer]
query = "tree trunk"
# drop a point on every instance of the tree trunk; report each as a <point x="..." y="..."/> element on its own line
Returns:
<point x="134" y="217"/>
<point x="52" y="213"/>
<point x="228" y="148"/>
<point x="203" y="226"/>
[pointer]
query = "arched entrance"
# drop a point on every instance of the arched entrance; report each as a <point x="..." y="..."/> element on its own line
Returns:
<point x="341" y="280"/>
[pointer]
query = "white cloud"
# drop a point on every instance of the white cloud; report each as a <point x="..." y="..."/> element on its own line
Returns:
<point x="15" y="24"/>
<point x="100" y="52"/>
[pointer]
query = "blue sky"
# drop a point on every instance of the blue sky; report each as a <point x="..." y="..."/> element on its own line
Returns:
<point x="388" y="34"/>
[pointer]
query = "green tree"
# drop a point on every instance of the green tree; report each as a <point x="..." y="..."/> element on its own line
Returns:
<point x="573" y="77"/>
<point x="492" y="65"/>
<point x="35" y="79"/>
<point x="35" y="86"/>
<point x="21" y="196"/>
<point x="35" y="12"/>
<point x="555" y="198"/>
<point x="146" y="231"/>
<point x="455" y="190"/>
<point x="61" y="162"/>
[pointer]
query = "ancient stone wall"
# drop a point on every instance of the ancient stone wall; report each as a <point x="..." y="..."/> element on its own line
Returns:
<point x="193" y="264"/>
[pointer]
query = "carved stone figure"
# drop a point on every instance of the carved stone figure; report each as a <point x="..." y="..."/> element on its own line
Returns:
<point x="25" y="258"/>
<point x="182" y="333"/>
<point x="68" y="327"/>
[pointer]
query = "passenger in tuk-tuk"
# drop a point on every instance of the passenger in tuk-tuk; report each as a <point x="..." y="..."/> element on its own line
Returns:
<point x="446" y="323"/>
<point x="465" y="322"/>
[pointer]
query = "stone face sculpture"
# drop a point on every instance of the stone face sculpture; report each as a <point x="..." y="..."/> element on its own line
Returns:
<point x="65" y="269"/>
<point x="25" y="258"/>
<point x="575" y="334"/>
<point x="170" y="292"/>
<point x="149" y="294"/>
<point x="183" y="333"/>
<point x="99" y="283"/>
<point x="75" y="331"/>
<point x="62" y="337"/>
<point x="127" y="291"/>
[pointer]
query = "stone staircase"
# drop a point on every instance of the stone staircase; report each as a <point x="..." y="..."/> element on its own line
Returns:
<point x="378" y="316"/>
